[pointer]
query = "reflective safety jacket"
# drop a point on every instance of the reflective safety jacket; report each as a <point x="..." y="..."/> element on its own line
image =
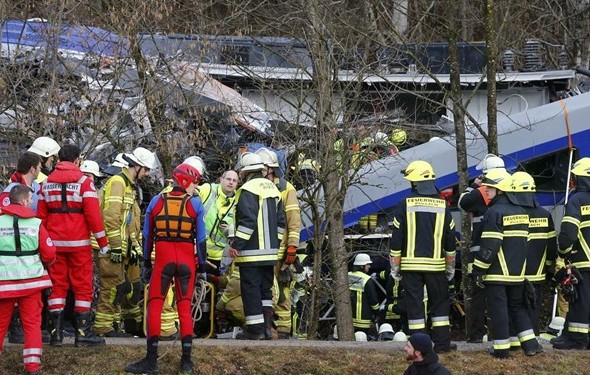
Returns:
<point x="363" y="297"/>
<point x="503" y="249"/>
<point x="542" y="244"/>
<point x="68" y="206"/>
<point x="292" y="215"/>
<point x="260" y="222"/>
<point x="218" y="208"/>
<point x="16" y="179"/>
<point x="422" y="234"/>
<point x="25" y="249"/>
<point x="574" y="237"/>
<point x="118" y="199"/>
<point x="193" y="209"/>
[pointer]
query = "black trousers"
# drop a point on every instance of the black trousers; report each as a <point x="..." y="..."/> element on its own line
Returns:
<point x="256" y="288"/>
<point x="438" y="306"/>
<point x="578" y="315"/>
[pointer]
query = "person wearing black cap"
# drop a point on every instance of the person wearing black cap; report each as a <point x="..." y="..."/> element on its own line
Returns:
<point x="419" y="350"/>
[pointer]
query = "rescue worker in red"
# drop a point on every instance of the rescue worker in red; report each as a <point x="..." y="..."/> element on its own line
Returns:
<point x="25" y="252"/>
<point x="68" y="206"/>
<point x="260" y="223"/>
<point x="174" y="223"/>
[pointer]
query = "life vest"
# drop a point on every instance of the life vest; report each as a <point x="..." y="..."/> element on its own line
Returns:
<point x="173" y="222"/>
<point x="19" y="244"/>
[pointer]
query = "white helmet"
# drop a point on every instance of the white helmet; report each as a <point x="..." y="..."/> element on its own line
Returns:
<point x="362" y="259"/>
<point x="120" y="162"/>
<point x="196" y="162"/>
<point x="386" y="332"/>
<point x="335" y="334"/>
<point x="557" y="324"/>
<point x="385" y="327"/>
<point x="143" y="157"/>
<point x="89" y="166"/>
<point x="400" y="337"/>
<point x="251" y="162"/>
<point x="45" y="147"/>
<point x="360" y="336"/>
<point x="382" y="139"/>
<point x="269" y="157"/>
<point x="489" y="162"/>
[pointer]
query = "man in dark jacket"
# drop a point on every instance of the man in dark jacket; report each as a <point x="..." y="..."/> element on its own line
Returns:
<point x="419" y="350"/>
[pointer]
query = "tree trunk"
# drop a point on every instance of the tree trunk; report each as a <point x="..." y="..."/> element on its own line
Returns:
<point x="491" y="68"/>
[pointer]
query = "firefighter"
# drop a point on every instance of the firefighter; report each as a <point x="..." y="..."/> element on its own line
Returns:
<point x="500" y="265"/>
<point x="69" y="207"/>
<point x="27" y="250"/>
<point x="573" y="241"/>
<point x="474" y="201"/>
<point x="48" y="149"/>
<point x="260" y="222"/>
<point x="174" y="224"/>
<point x="121" y="217"/>
<point x="542" y="245"/>
<point x="363" y="294"/>
<point x="288" y="250"/>
<point x="219" y="202"/>
<point x="28" y="168"/>
<point x="423" y="254"/>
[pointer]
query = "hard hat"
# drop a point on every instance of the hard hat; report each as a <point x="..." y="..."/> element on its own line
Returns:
<point x="335" y="333"/>
<point x="398" y="137"/>
<point x="381" y="138"/>
<point x="89" y="166"/>
<point x="143" y="157"/>
<point x="269" y="157"/>
<point x="251" y="162"/>
<point x="45" y="147"/>
<point x="185" y="174"/>
<point x="523" y="182"/>
<point x="557" y="323"/>
<point x="360" y="336"/>
<point x="489" y="162"/>
<point x="499" y="179"/>
<point x="582" y="167"/>
<point x="485" y="338"/>
<point x="197" y="163"/>
<point x="120" y="162"/>
<point x="362" y="259"/>
<point x="366" y="142"/>
<point x="419" y="170"/>
<point x="308" y="164"/>
<point x="385" y="327"/>
<point x="400" y="337"/>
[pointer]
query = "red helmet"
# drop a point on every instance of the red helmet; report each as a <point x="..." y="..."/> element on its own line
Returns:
<point x="184" y="174"/>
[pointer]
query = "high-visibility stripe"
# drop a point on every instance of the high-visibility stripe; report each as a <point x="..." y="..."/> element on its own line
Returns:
<point x="72" y="243"/>
<point x="25" y="286"/>
<point x="495" y="235"/>
<point x="33" y="351"/>
<point x="82" y="303"/>
<point x="571" y="220"/>
<point x="254" y="319"/>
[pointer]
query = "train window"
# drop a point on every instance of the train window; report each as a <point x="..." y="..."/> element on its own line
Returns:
<point x="550" y="171"/>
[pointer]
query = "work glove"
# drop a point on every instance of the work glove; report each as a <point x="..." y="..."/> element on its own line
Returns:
<point x="213" y="279"/>
<point x="450" y="269"/>
<point x="290" y="255"/>
<point x="104" y="250"/>
<point x="146" y="272"/>
<point x="285" y="276"/>
<point x="116" y="255"/>
<point x="135" y="254"/>
<point x="201" y="272"/>
<point x="396" y="272"/>
<point x="477" y="277"/>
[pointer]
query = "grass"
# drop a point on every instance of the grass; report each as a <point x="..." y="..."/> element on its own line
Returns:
<point x="222" y="360"/>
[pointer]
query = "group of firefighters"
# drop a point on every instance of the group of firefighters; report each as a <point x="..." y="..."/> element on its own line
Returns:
<point x="244" y="240"/>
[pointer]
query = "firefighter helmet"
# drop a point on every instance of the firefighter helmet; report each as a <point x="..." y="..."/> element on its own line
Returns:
<point x="419" y="170"/>
<point x="362" y="259"/>
<point x="489" y="162"/>
<point x="360" y="336"/>
<point x="120" y="161"/>
<point x="386" y="332"/>
<point x="400" y="337"/>
<point x="251" y="162"/>
<point x="498" y="178"/>
<point x="196" y="162"/>
<point x="269" y="157"/>
<point x="142" y="157"/>
<point x="398" y="137"/>
<point x="89" y="166"/>
<point x="582" y="167"/>
<point x="185" y="174"/>
<point x="523" y="182"/>
<point x="44" y="147"/>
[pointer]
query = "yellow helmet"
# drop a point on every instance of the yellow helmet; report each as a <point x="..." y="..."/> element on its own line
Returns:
<point x="499" y="179"/>
<point x="398" y="137"/>
<point x="419" y="170"/>
<point x="523" y="182"/>
<point x="582" y="167"/>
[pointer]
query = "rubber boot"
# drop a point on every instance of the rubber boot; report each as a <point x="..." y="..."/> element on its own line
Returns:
<point x="16" y="335"/>
<point x="85" y="335"/>
<point x="55" y="328"/>
<point x="268" y="322"/>
<point x="186" y="363"/>
<point x="149" y="364"/>
<point x="249" y="335"/>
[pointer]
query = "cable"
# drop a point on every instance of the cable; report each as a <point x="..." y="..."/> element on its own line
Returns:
<point x="200" y="292"/>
